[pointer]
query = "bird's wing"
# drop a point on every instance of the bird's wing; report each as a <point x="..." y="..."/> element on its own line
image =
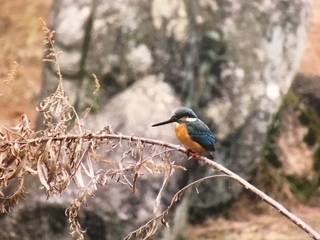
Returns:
<point x="201" y="133"/>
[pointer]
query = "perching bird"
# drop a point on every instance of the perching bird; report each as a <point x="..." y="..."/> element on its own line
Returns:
<point x="194" y="134"/>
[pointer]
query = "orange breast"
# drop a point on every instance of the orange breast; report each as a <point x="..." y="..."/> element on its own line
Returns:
<point x="183" y="136"/>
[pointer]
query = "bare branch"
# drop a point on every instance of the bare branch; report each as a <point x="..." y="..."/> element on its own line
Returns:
<point x="152" y="227"/>
<point x="293" y="218"/>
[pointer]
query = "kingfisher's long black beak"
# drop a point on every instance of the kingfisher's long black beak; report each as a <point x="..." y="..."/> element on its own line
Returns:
<point x="171" y="120"/>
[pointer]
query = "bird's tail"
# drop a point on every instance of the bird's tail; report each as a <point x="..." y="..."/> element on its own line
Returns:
<point x="211" y="155"/>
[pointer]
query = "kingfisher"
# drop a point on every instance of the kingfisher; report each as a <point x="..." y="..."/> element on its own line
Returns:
<point x="194" y="134"/>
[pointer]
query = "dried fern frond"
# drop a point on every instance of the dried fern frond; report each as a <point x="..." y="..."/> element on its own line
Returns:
<point x="11" y="76"/>
<point x="72" y="213"/>
<point x="7" y="203"/>
<point x="51" y="55"/>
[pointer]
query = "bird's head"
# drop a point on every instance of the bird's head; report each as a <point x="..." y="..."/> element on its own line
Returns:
<point x="179" y="116"/>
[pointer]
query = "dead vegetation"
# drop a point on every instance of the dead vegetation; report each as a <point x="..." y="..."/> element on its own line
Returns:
<point x="14" y="166"/>
<point x="64" y="152"/>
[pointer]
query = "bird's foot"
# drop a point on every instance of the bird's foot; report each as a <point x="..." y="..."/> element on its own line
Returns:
<point x="192" y="154"/>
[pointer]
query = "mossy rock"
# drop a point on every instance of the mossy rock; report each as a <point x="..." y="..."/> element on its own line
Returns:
<point x="301" y="187"/>
<point x="297" y="102"/>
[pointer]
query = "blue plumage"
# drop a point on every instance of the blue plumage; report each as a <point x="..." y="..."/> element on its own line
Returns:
<point x="200" y="133"/>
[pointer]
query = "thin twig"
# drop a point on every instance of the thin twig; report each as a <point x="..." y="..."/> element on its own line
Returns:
<point x="152" y="223"/>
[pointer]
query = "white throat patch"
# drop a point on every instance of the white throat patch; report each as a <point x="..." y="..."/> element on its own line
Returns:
<point x="191" y="119"/>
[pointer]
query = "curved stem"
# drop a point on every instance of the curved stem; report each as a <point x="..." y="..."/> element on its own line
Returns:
<point x="293" y="218"/>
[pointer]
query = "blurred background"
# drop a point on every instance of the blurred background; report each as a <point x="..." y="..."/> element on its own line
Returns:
<point x="249" y="70"/>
